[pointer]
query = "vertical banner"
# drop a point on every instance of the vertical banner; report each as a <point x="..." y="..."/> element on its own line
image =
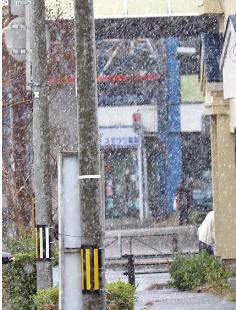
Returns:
<point x="43" y="242"/>
<point x="91" y="261"/>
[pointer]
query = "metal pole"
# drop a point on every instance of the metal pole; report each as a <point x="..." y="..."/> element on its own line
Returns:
<point x="28" y="52"/>
<point x="70" y="283"/>
<point x="42" y="186"/>
<point x="145" y="181"/>
<point x="130" y="272"/>
<point x="90" y="174"/>
<point x="140" y="181"/>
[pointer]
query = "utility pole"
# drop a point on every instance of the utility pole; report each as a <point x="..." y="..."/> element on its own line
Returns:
<point x="89" y="154"/>
<point x="41" y="174"/>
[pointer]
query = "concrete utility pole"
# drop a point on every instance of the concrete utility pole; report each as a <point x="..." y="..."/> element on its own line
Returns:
<point x="42" y="187"/>
<point x="90" y="175"/>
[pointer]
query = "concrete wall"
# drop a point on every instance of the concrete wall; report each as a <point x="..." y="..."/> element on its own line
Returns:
<point x="150" y="241"/>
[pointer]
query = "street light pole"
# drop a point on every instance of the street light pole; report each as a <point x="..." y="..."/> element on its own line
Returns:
<point x="88" y="143"/>
<point x="41" y="175"/>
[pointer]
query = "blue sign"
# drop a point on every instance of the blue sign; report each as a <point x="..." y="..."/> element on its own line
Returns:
<point x="119" y="137"/>
<point x="121" y="141"/>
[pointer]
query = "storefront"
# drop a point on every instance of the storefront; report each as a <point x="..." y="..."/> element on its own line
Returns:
<point x="131" y="173"/>
<point x="123" y="170"/>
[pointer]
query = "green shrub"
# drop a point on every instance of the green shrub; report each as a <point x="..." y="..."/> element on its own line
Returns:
<point x="25" y="244"/>
<point x="19" y="282"/>
<point x="19" y="277"/>
<point x="47" y="299"/>
<point x="188" y="272"/>
<point x="197" y="217"/>
<point x="120" y="295"/>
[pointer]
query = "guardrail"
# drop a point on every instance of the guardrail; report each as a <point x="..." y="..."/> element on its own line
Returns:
<point x="122" y="242"/>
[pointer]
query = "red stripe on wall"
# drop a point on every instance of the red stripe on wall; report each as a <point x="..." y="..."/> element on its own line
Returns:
<point x="105" y="79"/>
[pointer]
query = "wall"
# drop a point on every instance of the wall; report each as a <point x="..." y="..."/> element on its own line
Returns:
<point x="191" y="117"/>
<point x="122" y="116"/>
<point x="224" y="172"/>
<point x="229" y="7"/>
<point x="209" y="6"/>
<point x="130" y="8"/>
<point x="229" y="70"/>
<point x="64" y="100"/>
<point x="228" y="64"/>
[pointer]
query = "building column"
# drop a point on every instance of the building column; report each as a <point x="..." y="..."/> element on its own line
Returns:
<point x="223" y="180"/>
<point x="226" y="177"/>
<point x="214" y="164"/>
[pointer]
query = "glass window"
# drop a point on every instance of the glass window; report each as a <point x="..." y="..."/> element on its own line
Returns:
<point x="121" y="183"/>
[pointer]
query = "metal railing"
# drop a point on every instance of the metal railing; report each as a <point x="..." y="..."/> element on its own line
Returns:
<point x="120" y="240"/>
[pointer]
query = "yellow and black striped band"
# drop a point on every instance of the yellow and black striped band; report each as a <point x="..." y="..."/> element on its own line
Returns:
<point x="91" y="258"/>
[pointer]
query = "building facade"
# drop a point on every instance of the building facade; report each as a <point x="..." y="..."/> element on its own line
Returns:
<point x="150" y="74"/>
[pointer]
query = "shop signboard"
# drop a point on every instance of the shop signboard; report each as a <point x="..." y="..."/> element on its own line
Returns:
<point x="119" y="137"/>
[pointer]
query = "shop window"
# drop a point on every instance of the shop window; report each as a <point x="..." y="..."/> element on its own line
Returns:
<point x="121" y="183"/>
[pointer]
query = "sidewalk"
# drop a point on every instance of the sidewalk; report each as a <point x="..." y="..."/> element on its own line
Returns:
<point x="169" y="299"/>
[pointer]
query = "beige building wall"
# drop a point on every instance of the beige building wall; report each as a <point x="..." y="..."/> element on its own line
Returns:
<point x="226" y="8"/>
<point x="220" y="104"/>
<point x="210" y="7"/>
<point x="225" y="210"/>
<point x="229" y="7"/>
<point x="232" y="114"/>
<point x="223" y="174"/>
